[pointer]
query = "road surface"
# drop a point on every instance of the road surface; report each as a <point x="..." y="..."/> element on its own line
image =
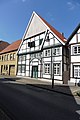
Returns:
<point x="25" y="102"/>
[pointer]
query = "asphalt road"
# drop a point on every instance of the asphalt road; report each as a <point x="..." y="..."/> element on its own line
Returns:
<point x="25" y="102"/>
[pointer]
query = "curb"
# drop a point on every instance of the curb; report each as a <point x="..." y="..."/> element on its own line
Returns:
<point x="48" y="89"/>
<point x="52" y="90"/>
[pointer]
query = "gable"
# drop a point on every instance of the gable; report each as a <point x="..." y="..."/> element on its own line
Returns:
<point x="53" y="40"/>
<point x="76" y="37"/>
<point x="35" y="26"/>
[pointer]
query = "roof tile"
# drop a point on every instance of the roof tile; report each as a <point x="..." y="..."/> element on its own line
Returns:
<point x="53" y="30"/>
<point x="11" y="47"/>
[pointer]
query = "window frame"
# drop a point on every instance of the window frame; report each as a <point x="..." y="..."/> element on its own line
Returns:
<point x="57" y="67"/>
<point x="56" y="51"/>
<point x="47" y="52"/>
<point x="76" y="51"/>
<point x="77" y="68"/>
<point x="47" y="68"/>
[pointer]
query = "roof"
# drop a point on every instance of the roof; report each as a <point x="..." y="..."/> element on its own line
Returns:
<point x="12" y="47"/>
<point x="53" y="30"/>
<point x="73" y="33"/>
<point x="3" y="45"/>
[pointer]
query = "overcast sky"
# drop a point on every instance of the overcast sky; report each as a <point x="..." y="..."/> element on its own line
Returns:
<point x="64" y="15"/>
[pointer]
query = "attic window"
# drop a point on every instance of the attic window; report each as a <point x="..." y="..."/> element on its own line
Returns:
<point x="40" y="41"/>
<point x="31" y="44"/>
<point x="47" y="39"/>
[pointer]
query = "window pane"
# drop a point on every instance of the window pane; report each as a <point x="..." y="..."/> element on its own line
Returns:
<point x="47" y="68"/>
<point x="75" y="50"/>
<point x="45" y="52"/>
<point x="23" y="68"/>
<point x="19" y="69"/>
<point x="78" y="49"/>
<point x="57" y="68"/>
<point x="76" y="73"/>
<point x="56" y="51"/>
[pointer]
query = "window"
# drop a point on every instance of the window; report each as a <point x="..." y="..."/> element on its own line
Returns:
<point x="23" y="57"/>
<point x="31" y="44"/>
<point x="14" y="56"/>
<point x="7" y="56"/>
<point x="0" y="58"/>
<point x="32" y="56"/>
<point x="47" y="68"/>
<point x="76" y="71"/>
<point x="76" y="49"/>
<point x="47" y="52"/>
<point x="23" y="68"/>
<point x="40" y="41"/>
<point x="11" y="56"/>
<point x="19" y="68"/>
<point x="19" y="58"/>
<point x="56" y="51"/>
<point x="6" y="67"/>
<point x="56" y="68"/>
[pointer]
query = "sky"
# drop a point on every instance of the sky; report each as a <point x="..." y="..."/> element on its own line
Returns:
<point x="64" y="15"/>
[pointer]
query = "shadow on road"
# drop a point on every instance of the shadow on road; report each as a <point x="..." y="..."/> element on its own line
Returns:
<point x="72" y="104"/>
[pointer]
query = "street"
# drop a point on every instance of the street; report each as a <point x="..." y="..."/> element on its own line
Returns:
<point x="25" y="102"/>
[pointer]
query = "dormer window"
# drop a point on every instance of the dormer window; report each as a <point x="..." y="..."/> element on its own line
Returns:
<point x="31" y="44"/>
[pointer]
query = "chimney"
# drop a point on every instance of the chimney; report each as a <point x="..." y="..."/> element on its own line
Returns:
<point x="62" y="34"/>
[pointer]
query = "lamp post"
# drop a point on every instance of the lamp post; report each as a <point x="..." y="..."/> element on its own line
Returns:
<point x="51" y="62"/>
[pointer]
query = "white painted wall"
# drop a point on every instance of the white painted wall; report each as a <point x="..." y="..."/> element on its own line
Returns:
<point x="36" y="27"/>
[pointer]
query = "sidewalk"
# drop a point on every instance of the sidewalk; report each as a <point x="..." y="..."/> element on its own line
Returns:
<point x="47" y="85"/>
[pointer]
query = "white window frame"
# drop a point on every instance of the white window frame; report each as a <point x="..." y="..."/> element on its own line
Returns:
<point x="77" y="71"/>
<point x="56" y="51"/>
<point x="47" y="68"/>
<point x="47" y="52"/>
<point x="57" y="68"/>
<point x="76" y="51"/>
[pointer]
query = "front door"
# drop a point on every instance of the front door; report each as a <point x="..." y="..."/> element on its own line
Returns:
<point x="35" y="71"/>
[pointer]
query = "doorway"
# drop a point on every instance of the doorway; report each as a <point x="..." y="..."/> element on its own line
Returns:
<point x="34" y="72"/>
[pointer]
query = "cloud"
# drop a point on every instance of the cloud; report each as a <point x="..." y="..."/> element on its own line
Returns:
<point x="73" y="4"/>
<point x="23" y="0"/>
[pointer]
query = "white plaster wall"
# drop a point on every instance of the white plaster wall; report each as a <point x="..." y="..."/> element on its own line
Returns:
<point x="73" y="80"/>
<point x="79" y="37"/>
<point x="57" y="58"/>
<point x="27" y="73"/>
<point x="57" y="77"/>
<point x="36" y="26"/>
<point x="73" y="40"/>
<point x="47" y="59"/>
<point x="75" y="58"/>
<point x="46" y="76"/>
<point x="78" y="31"/>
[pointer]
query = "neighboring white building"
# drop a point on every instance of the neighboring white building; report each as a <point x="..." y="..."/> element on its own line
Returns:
<point x="42" y="53"/>
<point x="74" y="49"/>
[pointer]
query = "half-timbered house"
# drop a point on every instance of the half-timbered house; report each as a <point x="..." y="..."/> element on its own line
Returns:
<point x="74" y="49"/>
<point x="42" y="53"/>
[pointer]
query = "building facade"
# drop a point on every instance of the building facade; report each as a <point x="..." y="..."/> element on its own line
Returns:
<point x="8" y="59"/>
<point x="42" y="52"/>
<point x="74" y="54"/>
